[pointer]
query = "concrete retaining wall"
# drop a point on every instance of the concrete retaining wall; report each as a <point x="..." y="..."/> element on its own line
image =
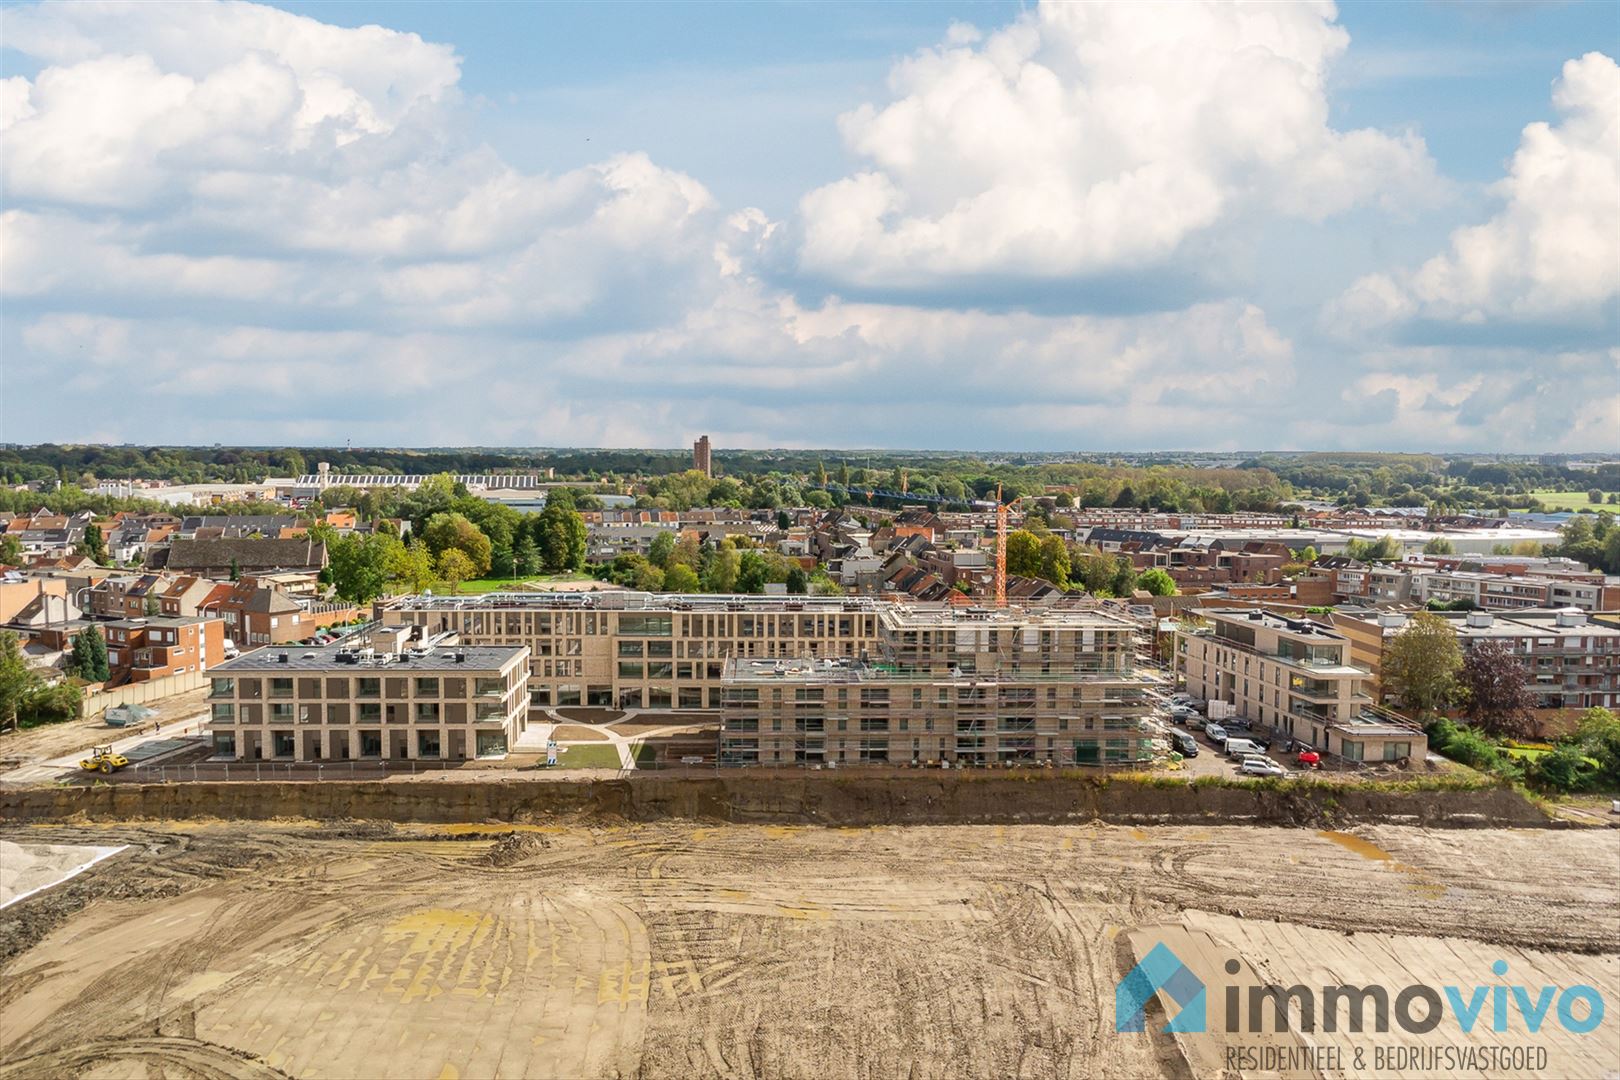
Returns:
<point x="930" y="799"/>
<point x="140" y="693"/>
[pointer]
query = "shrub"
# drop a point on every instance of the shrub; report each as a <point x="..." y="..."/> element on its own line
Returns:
<point x="1565" y="769"/>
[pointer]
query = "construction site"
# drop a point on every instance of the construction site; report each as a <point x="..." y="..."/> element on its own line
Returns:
<point x="587" y="944"/>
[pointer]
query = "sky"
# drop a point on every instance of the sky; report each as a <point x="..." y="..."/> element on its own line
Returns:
<point x="977" y="226"/>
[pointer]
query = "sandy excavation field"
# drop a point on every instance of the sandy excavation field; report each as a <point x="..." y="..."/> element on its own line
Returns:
<point x="230" y="950"/>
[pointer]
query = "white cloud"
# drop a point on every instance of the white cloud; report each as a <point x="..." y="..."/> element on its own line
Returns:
<point x="262" y="229"/>
<point x="1509" y="400"/>
<point x="1090" y="137"/>
<point x="1551" y="253"/>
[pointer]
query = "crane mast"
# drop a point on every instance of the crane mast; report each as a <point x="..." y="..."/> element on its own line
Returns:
<point x="1001" y="550"/>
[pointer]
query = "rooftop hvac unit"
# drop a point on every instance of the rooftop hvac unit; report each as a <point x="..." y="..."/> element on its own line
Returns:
<point x="1570" y="617"/>
<point x="1480" y="620"/>
<point x="281" y="658"/>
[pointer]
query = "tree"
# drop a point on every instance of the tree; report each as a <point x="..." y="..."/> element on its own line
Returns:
<point x="236" y="571"/>
<point x="1157" y="582"/>
<point x="559" y="533"/>
<point x="1023" y="553"/>
<point x="1499" y="700"/>
<point x="454" y="531"/>
<point x="688" y="551"/>
<point x="680" y="578"/>
<point x="648" y="578"/>
<point x="1595" y="496"/>
<point x="1440" y="546"/>
<point x="412" y="566"/>
<point x="94" y="545"/>
<point x="1597" y="734"/>
<point x="360" y="565"/>
<point x="455" y="567"/>
<point x="1421" y="662"/>
<point x="752" y="572"/>
<point x="151" y="605"/>
<point x="798" y="582"/>
<point x="88" y="660"/>
<point x="721" y="574"/>
<point x="783" y="522"/>
<point x="17" y="679"/>
<point x="525" y="555"/>
<point x="10" y="551"/>
<point x="1054" y="561"/>
<point x="1123" y="580"/>
<point x="1384" y="549"/>
<point x="662" y="549"/>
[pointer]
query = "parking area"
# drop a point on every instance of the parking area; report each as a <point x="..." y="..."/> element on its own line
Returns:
<point x="1211" y="759"/>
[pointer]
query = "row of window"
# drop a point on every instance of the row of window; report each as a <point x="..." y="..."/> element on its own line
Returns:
<point x="364" y="712"/>
<point x="363" y="687"/>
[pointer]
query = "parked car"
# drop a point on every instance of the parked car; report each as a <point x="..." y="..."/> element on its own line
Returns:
<point x="1241" y="748"/>
<point x="1236" y="723"/>
<point x="1261" y="766"/>
<point x="1185" y="744"/>
<point x="1215" y="733"/>
<point x="1182" y="712"/>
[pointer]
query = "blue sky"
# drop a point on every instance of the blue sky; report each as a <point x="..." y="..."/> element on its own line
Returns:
<point x="975" y="225"/>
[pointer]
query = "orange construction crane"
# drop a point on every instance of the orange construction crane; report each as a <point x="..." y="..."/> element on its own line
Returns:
<point x="1001" y="550"/>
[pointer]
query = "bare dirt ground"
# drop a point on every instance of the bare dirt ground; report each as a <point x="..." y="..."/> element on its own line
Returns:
<point x="59" y="740"/>
<point x="235" y="950"/>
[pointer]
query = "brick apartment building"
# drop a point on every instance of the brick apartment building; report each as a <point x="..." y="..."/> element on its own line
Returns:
<point x="150" y="648"/>
<point x="403" y="697"/>
<point x="1294" y="676"/>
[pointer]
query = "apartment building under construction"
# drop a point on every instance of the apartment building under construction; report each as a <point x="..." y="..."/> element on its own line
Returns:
<point x="970" y="687"/>
<point x="855" y="679"/>
<point x="631" y="650"/>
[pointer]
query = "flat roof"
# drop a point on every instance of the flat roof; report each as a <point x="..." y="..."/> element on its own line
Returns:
<point x="305" y="659"/>
<point x="846" y="671"/>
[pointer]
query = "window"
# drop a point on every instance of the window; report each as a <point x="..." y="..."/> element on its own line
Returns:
<point x="224" y="714"/>
<point x="631" y="648"/>
<point x="427" y="712"/>
<point x="371" y="744"/>
<point x="281" y="688"/>
<point x="492" y="688"/>
<point x="1394" y="751"/>
<point x="629" y="670"/>
<point x="661" y="649"/>
<point x="646" y="625"/>
<point x="370" y="712"/>
<point x="370" y="687"/>
<point x="281" y="711"/>
<point x="427" y="687"/>
<point x="427" y="744"/>
<point x="224" y="744"/>
<point x="491" y="744"/>
<point x="282" y="743"/>
<point x="222" y="688"/>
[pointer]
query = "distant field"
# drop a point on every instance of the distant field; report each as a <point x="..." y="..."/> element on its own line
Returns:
<point x="1564" y="500"/>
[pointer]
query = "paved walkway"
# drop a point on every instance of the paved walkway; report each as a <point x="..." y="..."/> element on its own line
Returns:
<point x="147" y="745"/>
<point x="534" y="738"/>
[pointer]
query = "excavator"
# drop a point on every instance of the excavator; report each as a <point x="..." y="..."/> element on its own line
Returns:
<point x="102" y="759"/>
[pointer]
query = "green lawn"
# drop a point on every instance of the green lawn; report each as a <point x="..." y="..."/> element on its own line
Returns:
<point x="588" y="756"/>
<point x="1566" y="500"/>
<point x="487" y="585"/>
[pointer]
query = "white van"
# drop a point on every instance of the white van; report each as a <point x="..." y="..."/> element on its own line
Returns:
<point x="1239" y="748"/>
